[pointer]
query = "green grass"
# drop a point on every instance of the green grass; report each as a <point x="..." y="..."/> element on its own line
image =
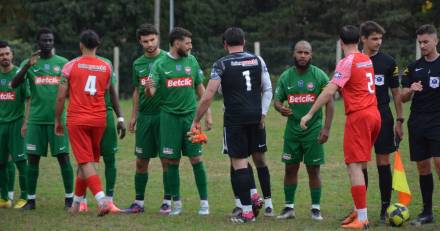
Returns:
<point x="336" y="199"/>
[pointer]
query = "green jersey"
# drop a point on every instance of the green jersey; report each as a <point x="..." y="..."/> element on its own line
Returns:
<point x="43" y="79"/>
<point x="175" y="81"/>
<point x="141" y="70"/>
<point x="301" y="91"/>
<point x="11" y="100"/>
<point x="113" y="80"/>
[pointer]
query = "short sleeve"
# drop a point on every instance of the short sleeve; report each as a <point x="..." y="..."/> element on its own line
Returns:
<point x="199" y="76"/>
<point x="280" y="93"/>
<point x="343" y="71"/>
<point x="22" y="64"/>
<point x="134" y="76"/>
<point x="67" y="69"/>
<point x="323" y="79"/>
<point x="155" y="74"/>
<point x="407" y="79"/>
<point x="216" y="71"/>
<point x="393" y="75"/>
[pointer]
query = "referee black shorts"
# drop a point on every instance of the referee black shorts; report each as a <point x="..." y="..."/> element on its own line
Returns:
<point x="424" y="135"/>
<point x="241" y="141"/>
<point x="385" y="141"/>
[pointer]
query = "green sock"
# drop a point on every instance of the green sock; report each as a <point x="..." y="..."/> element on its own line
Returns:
<point x="110" y="174"/>
<point x="22" y="171"/>
<point x="4" y="181"/>
<point x="201" y="180"/>
<point x="316" y="195"/>
<point x="11" y="174"/>
<point x="140" y="183"/>
<point x="174" y="181"/>
<point x="67" y="173"/>
<point x="166" y="186"/>
<point x="32" y="178"/>
<point x="289" y="193"/>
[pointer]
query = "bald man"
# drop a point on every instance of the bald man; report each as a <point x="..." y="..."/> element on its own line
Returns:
<point x="300" y="86"/>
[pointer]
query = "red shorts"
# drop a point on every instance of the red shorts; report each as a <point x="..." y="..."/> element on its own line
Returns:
<point x="85" y="142"/>
<point x="361" y="130"/>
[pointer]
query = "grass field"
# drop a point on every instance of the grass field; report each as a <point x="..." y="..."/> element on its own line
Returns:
<point x="335" y="202"/>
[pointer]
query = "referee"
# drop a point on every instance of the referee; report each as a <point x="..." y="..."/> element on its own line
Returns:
<point x="421" y="83"/>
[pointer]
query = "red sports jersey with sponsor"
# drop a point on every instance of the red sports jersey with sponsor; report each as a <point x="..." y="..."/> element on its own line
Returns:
<point x="355" y="75"/>
<point x="89" y="78"/>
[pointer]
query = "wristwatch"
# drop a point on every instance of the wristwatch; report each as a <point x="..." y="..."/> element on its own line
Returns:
<point x="401" y="120"/>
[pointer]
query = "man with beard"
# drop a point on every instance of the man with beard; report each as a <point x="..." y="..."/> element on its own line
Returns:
<point x="43" y="76"/>
<point x="145" y="119"/>
<point x="300" y="85"/>
<point x="11" y="120"/>
<point x="421" y="83"/>
<point x="177" y="77"/>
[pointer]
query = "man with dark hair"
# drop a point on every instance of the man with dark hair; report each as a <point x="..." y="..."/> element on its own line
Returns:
<point x="145" y="119"/>
<point x="354" y="78"/>
<point x="247" y="92"/>
<point x="11" y="119"/>
<point x="421" y="82"/>
<point x="300" y="85"/>
<point x="43" y="76"/>
<point x="386" y="76"/>
<point x="85" y="79"/>
<point x="177" y="77"/>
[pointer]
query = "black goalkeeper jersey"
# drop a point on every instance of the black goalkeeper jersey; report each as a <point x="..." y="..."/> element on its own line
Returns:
<point x="427" y="100"/>
<point x="386" y="75"/>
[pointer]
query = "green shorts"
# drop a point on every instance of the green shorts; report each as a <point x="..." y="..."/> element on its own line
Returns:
<point x="147" y="136"/>
<point x="109" y="141"/>
<point x="306" y="148"/>
<point x="173" y="139"/>
<point x="11" y="142"/>
<point x="39" y="135"/>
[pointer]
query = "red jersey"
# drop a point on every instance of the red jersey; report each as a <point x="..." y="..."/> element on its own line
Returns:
<point x="89" y="78"/>
<point x="355" y="75"/>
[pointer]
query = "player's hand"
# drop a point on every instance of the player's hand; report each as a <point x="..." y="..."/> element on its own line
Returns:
<point x="208" y="121"/>
<point x="261" y="125"/>
<point x="416" y="86"/>
<point x="304" y="120"/>
<point x="285" y="111"/>
<point x="34" y="58"/>
<point x="195" y="126"/>
<point x="132" y="125"/>
<point x="23" y="130"/>
<point x="195" y="135"/>
<point x="121" y="129"/>
<point x="323" y="135"/>
<point x="59" y="128"/>
<point x="398" y="131"/>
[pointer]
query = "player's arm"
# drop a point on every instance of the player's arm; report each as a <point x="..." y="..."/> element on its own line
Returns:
<point x="200" y="90"/>
<point x="280" y="97"/>
<point x="59" y="106"/>
<point x="131" y="126"/>
<point x="399" y="111"/>
<point x="26" y="117"/>
<point x="329" y="112"/>
<point x="266" y="88"/>
<point x="205" y="101"/>
<point x="409" y="87"/>
<point x="19" y="77"/>
<point x="116" y="107"/>
<point x="326" y="95"/>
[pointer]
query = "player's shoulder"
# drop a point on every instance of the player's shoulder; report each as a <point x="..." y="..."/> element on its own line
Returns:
<point x="318" y="72"/>
<point x="106" y="60"/>
<point x="385" y="58"/>
<point x="60" y="58"/>
<point x="286" y="73"/>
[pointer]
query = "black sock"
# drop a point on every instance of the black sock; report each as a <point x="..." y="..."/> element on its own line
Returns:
<point x="365" y="171"/>
<point x="251" y="173"/>
<point x="264" y="177"/>
<point x="385" y="185"/>
<point x="244" y="185"/>
<point x="234" y="183"/>
<point x="427" y="188"/>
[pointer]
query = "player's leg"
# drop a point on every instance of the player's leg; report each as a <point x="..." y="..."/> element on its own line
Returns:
<point x="263" y="176"/>
<point x="385" y="183"/>
<point x="165" y="208"/>
<point x="59" y="146"/>
<point x="11" y="181"/>
<point x="171" y="132"/>
<point x="4" y="178"/>
<point x="140" y="184"/>
<point x="426" y="182"/>
<point x="437" y="165"/>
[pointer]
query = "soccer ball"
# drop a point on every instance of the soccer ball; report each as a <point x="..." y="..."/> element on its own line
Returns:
<point x="397" y="214"/>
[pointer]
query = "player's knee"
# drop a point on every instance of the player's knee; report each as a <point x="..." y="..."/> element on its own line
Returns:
<point x="195" y="160"/>
<point x="424" y="167"/>
<point x="259" y="160"/>
<point x="382" y="160"/>
<point x="109" y="160"/>
<point x="291" y="170"/>
<point x="142" y="165"/>
<point x="34" y="159"/>
<point x="63" y="159"/>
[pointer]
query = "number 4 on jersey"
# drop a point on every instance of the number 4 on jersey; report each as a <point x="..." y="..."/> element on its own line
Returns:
<point x="91" y="85"/>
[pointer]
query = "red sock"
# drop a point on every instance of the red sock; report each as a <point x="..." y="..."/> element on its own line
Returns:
<point x="80" y="187"/>
<point x="94" y="183"/>
<point x="359" y="194"/>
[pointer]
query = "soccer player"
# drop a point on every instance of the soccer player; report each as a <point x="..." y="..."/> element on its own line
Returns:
<point x="300" y="85"/>
<point x="247" y="93"/>
<point x="85" y="79"/>
<point x="177" y="77"/>
<point x="421" y="84"/>
<point x="109" y="142"/>
<point x="145" y="119"/>
<point x="12" y="103"/>
<point x="354" y="77"/>
<point x="386" y="75"/>
<point x="43" y="76"/>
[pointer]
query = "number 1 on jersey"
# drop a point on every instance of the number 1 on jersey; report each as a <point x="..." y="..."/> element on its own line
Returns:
<point x="247" y="76"/>
<point x="91" y="85"/>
